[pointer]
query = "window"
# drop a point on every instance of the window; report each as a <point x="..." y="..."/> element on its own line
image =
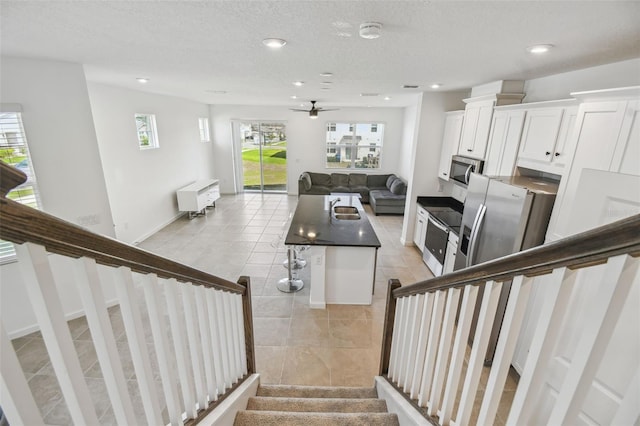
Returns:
<point x="354" y="145"/>
<point x="203" y="123"/>
<point x="147" y="131"/>
<point x="15" y="152"/>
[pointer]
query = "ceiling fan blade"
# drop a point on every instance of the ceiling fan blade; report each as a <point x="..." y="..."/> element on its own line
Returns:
<point x="325" y="110"/>
<point x="301" y="110"/>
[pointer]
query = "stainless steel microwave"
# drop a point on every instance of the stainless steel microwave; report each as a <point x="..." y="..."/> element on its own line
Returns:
<point x="462" y="167"/>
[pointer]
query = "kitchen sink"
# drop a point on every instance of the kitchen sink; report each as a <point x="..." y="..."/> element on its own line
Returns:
<point x="342" y="216"/>
<point x="346" y="210"/>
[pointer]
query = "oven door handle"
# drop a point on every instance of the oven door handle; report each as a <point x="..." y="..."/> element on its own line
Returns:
<point x="438" y="224"/>
<point x="467" y="174"/>
<point x="473" y="238"/>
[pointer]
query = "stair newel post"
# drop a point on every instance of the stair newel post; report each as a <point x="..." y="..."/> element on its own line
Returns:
<point x="247" y="314"/>
<point x="387" y="330"/>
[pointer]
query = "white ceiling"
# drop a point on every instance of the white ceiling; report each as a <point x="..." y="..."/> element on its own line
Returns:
<point x="192" y="48"/>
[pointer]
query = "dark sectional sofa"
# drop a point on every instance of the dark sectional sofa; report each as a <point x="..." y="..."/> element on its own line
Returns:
<point x="385" y="193"/>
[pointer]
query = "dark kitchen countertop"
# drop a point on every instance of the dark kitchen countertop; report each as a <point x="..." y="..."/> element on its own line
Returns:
<point x="312" y="225"/>
<point x="447" y="210"/>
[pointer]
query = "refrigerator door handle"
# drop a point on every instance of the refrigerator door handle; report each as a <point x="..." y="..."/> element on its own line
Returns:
<point x="467" y="174"/>
<point x="473" y="238"/>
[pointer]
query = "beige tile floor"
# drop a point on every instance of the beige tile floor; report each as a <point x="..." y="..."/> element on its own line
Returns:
<point x="295" y="344"/>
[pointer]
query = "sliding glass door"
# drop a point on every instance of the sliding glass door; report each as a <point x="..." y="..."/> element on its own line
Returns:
<point x="261" y="159"/>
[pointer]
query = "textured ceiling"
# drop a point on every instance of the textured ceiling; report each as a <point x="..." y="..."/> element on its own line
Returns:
<point x="192" y="48"/>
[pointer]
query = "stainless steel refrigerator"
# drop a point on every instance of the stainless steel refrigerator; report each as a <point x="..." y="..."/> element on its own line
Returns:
<point x="502" y="215"/>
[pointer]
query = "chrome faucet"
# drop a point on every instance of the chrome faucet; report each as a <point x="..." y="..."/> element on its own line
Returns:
<point x="331" y="204"/>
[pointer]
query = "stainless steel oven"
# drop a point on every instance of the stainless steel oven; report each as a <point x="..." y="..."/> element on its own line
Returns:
<point x="435" y="245"/>
<point x="462" y="167"/>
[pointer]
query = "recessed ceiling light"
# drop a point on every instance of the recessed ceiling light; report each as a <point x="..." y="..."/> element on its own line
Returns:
<point x="326" y="74"/>
<point x="274" y="43"/>
<point x="436" y="86"/>
<point x="370" y="30"/>
<point x="294" y="97"/>
<point x="142" y="80"/>
<point x="539" y="48"/>
<point x="387" y="98"/>
<point x="298" y="83"/>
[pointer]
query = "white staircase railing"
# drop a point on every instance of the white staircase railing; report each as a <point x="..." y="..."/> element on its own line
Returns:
<point x="427" y="326"/>
<point x="197" y="328"/>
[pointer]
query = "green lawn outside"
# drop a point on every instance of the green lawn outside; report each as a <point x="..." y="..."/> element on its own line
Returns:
<point x="274" y="166"/>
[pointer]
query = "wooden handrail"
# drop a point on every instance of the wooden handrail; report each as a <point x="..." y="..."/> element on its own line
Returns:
<point x="20" y="224"/>
<point x="587" y="248"/>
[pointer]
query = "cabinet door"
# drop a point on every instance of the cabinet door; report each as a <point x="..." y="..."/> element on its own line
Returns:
<point x="597" y="137"/>
<point x="504" y="140"/>
<point x="540" y="134"/>
<point x="450" y="142"/>
<point x="565" y="148"/>
<point x="419" y="231"/>
<point x="475" y="129"/>
<point x="626" y="158"/>
<point x="449" y="259"/>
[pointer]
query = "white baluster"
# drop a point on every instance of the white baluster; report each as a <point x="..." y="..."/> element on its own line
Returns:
<point x="396" y="338"/>
<point x="432" y="347"/>
<point x="223" y="334"/>
<point x="620" y="274"/>
<point x="514" y="313"/>
<point x="232" y="334"/>
<point x="558" y="292"/>
<point x="195" y="345"/>
<point x="486" y="316"/>
<point x="215" y="340"/>
<point x="459" y="350"/>
<point x="152" y="289"/>
<point x="41" y="287"/>
<point x="241" y="335"/>
<point x="16" y="398"/>
<point x="90" y="290"/>
<point x="444" y="345"/>
<point x="207" y="345"/>
<point x="415" y="318"/>
<point x="178" y="331"/>
<point x="137" y="344"/>
<point x="408" y="335"/>
<point x="425" y="322"/>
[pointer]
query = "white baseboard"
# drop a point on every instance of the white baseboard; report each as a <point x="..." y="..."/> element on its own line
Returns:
<point x="157" y="228"/>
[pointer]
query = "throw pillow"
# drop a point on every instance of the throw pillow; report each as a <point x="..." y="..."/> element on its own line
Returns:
<point x="320" y="179"/>
<point x="390" y="180"/>
<point x="398" y="187"/>
<point x="306" y="181"/>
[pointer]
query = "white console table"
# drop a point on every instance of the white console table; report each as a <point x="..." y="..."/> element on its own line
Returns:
<point x="196" y="197"/>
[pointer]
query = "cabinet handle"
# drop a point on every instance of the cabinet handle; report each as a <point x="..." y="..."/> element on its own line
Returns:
<point x="469" y="150"/>
<point x="557" y="154"/>
<point x="547" y="153"/>
<point x="444" y="174"/>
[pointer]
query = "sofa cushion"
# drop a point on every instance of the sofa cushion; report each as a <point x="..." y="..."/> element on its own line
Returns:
<point x="384" y="197"/>
<point x="319" y="190"/>
<point x="306" y="181"/>
<point x="340" y="180"/>
<point x="320" y="179"/>
<point x="357" y="179"/>
<point x="377" y="181"/>
<point x="390" y="181"/>
<point x="398" y="187"/>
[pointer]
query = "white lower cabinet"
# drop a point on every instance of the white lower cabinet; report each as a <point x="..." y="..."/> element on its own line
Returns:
<point x="450" y="256"/>
<point x="420" y="229"/>
<point x="195" y="197"/>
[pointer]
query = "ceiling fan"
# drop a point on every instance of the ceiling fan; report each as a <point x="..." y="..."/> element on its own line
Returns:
<point x="313" y="112"/>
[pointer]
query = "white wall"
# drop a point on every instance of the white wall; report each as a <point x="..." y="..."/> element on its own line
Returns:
<point x="142" y="183"/>
<point x="559" y="86"/>
<point x="409" y="131"/>
<point x="306" y="149"/>
<point x="62" y="140"/>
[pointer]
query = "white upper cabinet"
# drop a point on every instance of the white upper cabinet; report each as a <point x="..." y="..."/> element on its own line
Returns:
<point x="606" y="137"/>
<point x="504" y="139"/>
<point x="478" y="115"/>
<point x="475" y="129"/>
<point x="545" y="138"/>
<point x="450" y="141"/>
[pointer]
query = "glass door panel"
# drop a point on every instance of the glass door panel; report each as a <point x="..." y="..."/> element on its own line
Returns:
<point x="264" y="156"/>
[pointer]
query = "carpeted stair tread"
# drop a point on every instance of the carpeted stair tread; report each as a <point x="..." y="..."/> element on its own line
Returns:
<point x="279" y="418"/>
<point x="316" y="391"/>
<point x="329" y="405"/>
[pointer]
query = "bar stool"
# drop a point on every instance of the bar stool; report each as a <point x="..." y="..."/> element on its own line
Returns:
<point x="290" y="284"/>
<point x="298" y="262"/>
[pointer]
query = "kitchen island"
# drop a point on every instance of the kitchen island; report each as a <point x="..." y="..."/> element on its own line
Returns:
<point x="343" y="248"/>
